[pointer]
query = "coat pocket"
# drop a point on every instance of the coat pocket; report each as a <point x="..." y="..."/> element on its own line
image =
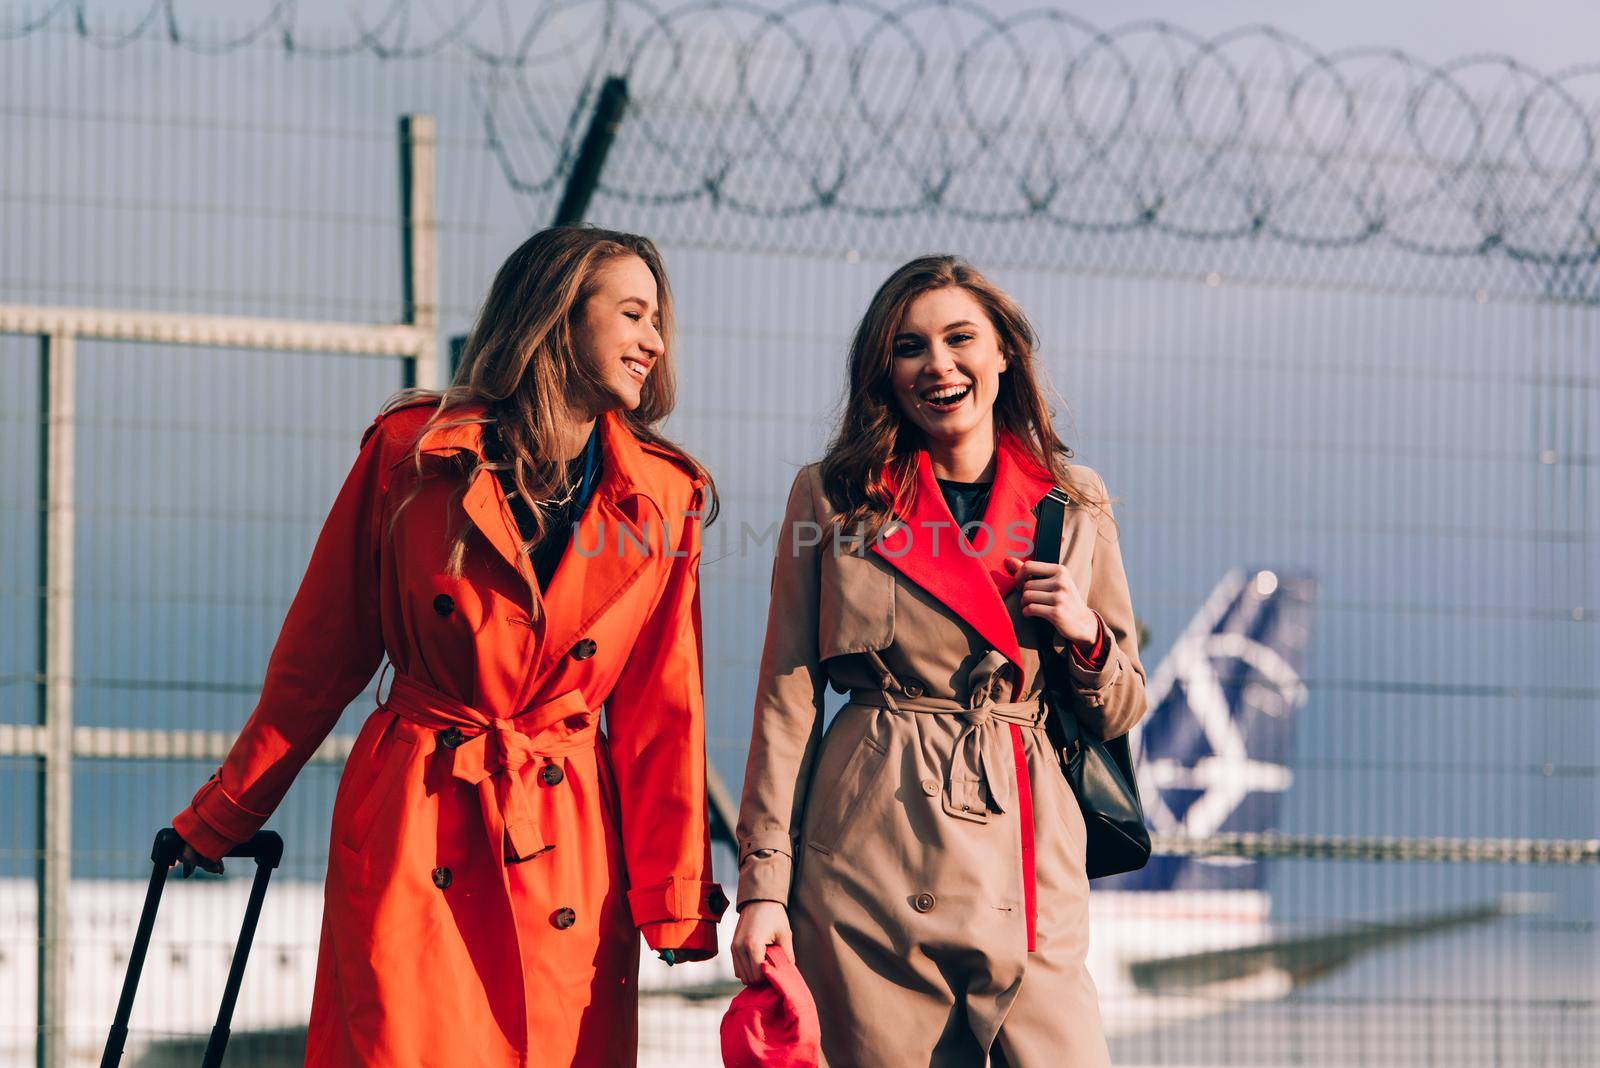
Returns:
<point x="856" y="606"/>
<point x="393" y="758"/>
<point x="836" y="798"/>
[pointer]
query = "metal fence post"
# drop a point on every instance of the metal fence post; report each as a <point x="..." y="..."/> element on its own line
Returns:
<point x="58" y="434"/>
<point x="419" y="247"/>
<point x="585" y="176"/>
<point x="52" y="741"/>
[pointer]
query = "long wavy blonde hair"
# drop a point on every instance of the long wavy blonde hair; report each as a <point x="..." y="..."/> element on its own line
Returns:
<point x="874" y="434"/>
<point x="522" y="364"/>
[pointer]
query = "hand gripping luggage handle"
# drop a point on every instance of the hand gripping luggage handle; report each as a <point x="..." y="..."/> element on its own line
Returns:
<point x="266" y="847"/>
<point x="267" y="850"/>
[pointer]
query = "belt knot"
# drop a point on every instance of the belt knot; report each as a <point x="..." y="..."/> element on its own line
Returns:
<point x="488" y="752"/>
<point x="973" y="789"/>
<point x="499" y="748"/>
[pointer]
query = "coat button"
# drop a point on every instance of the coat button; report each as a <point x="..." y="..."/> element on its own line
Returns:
<point x="912" y="688"/>
<point x="584" y="649"/>
<point x="717" y="899"/>
<point x="930" y="786"/>
<point x="563" y="918"/>
<point x="923" y="902"/>
<point x="551" y="774"/>
<point x="451" y="737"/>
<point x="441" y="878"/>
<point x="444" y="604"/>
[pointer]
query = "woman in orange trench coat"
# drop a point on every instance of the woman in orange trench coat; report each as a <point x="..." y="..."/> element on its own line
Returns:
<point x="493" y="850"/>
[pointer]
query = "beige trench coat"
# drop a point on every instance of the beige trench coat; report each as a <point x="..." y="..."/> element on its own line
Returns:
<point x="929" y="850"/>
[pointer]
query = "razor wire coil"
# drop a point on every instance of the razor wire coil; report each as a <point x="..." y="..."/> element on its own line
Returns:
<point x="939" y="107"/>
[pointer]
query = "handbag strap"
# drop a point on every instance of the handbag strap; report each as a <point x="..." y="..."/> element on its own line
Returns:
<point x="1052" y="517"/>
<point x="1050" y="522"/>
<point x="1047" y="547"/>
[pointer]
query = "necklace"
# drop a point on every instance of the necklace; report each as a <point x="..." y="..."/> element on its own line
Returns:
<point x="578" y="477"/>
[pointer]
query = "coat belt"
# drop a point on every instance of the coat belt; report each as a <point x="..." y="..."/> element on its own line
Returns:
<point x="489" y="752"/>
<point x="970" y="789"/>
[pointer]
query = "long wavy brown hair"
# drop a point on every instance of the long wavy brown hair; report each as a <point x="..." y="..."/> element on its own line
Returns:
<point x="521" y="362"/>
<point x="873" y="434"/>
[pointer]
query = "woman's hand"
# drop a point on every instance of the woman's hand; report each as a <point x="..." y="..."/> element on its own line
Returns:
<point x="761" y="923"/>
<point x="1049" y="593"/>
<point x="192" y="860"/>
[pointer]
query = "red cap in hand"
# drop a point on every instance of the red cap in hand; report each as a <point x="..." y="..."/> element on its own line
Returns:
<point x="773" y="1023"/>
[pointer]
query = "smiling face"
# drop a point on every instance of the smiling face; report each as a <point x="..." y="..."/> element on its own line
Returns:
<point x="945" y="366"/>
<point x="618" y="334"/>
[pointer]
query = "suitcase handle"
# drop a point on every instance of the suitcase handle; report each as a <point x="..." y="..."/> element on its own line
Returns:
<point x="266" y="848"/>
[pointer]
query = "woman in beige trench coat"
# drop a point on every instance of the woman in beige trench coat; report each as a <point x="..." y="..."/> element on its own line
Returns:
<point x="923" y="858"/>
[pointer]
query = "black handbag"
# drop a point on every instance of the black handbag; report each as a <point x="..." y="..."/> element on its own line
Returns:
<point x="1099" y="772"/>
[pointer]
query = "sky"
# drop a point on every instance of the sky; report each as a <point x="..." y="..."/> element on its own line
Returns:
<point x="1542" y="33"/>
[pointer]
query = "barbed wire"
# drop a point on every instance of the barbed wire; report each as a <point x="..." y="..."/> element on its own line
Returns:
<point x="942" y="108"/>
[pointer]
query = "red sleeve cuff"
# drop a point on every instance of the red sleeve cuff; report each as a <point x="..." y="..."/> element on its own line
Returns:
<point x="214" y="822"/>
<point x="679" y="914"/>
<point x="202" y="839"/>
<point x="689" y="940"/>
<point x="677" y="898"/>
<point x="1091" y="656"/>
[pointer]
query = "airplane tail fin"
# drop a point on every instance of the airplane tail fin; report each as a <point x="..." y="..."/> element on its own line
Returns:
<point x="1213" y="754"/>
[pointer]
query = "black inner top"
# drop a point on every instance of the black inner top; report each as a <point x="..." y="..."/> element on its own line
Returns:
<point x="547" y="551"/>
<point x="967" y="502"/>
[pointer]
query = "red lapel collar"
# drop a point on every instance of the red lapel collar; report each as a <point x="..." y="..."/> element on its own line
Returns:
<point x="461" y="430"/>
<point x="1020" y="483"/>
<point x="618" y="534"/>
<point x="623" y="512"/>
<point x="926" y="547"/>
<point x="970" y="583"/>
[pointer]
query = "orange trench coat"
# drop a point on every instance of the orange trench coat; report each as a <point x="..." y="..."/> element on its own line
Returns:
<point x="493" y="851"/>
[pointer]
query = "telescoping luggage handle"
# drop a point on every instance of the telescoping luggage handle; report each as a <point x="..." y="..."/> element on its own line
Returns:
<point x="267" y="849"/>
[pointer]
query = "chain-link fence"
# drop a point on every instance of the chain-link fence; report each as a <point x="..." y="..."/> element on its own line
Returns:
<point x="1327" y="316"/>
